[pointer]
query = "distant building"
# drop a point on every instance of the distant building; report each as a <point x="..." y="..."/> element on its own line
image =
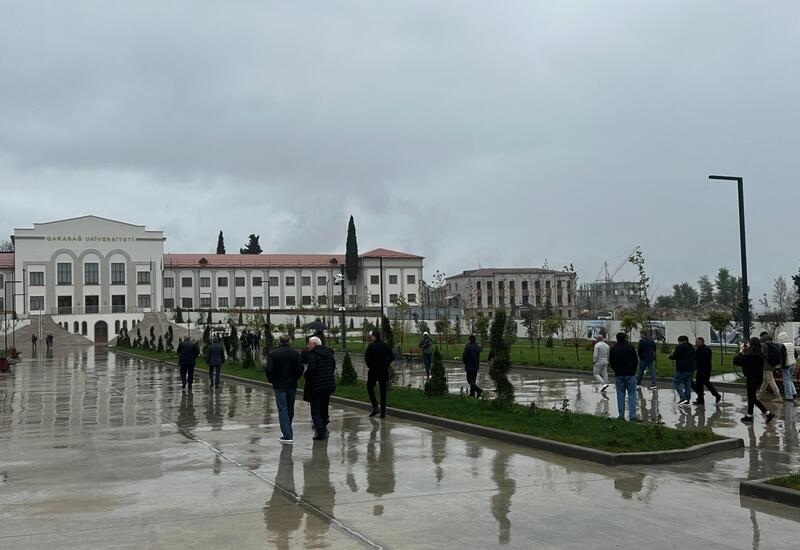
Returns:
<point x="515" y="289"/>
<point x="608" y="296"/>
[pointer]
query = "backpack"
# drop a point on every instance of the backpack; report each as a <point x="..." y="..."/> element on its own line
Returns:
<point x="775" y="354"/>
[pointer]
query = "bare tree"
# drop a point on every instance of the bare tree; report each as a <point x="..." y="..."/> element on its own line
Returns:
<point x="6" y="246"/>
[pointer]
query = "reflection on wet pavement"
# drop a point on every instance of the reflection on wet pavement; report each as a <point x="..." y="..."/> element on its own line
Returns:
<point x="97" y="448"/>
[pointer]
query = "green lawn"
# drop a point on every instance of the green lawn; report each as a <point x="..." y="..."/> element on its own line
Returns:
<point x="790" y="482"/>
<point x="579" y="429"/>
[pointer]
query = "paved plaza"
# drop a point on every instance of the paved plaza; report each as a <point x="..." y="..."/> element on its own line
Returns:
<point x="101" y="451"/>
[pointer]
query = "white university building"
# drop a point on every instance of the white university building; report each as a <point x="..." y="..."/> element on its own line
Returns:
<point x="92" y="275"/>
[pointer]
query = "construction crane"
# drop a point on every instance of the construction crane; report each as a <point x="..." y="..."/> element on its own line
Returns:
<point x="606" y="276"/>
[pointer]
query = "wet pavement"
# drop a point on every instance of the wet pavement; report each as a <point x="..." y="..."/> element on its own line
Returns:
<point x="101" y="451"/>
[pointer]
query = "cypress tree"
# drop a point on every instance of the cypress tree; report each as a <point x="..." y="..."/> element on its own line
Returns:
<point x="349" y="376"/>
<point x="241" y="320"/>
<point x="160" y="345"/>
<point x="500" y="354"/>
<point x="252" y="246"/>
<point x="388" y="336"/>
<point x="297" y="322"/>
<point x="351" y="254"/>
<point x="437" y="383"/>
<point x="178" y="317"/>
<point x="220" y="243"/>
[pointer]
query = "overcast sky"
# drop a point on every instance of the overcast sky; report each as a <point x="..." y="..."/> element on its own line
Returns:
<point x="491" y="133"/>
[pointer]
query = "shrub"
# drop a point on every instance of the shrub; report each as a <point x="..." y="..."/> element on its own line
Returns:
<point x="248" y="362"/>
<point x="437" y="383"/>
<point x="349" y="376"/>
<point x="160" y="345"/>
<point x="178" y="316"/>
<point x="499" y="351"/>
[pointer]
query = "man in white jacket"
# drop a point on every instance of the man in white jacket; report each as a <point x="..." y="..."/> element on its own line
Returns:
<point x="789" y="391"/>
<point x="600" y="357"/>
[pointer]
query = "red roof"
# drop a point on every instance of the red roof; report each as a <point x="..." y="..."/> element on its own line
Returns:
<point x="7" y="260"/>
<point x="392" y="254"/>
<point x="251" y="260"/>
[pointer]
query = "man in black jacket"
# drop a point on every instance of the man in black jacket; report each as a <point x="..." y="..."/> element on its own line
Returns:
<point x="472" y="361"/>
<point x="684" y="365"/>
<point x="283" y="370"/>
<point x="215" y="357"/>
<point x="378" y="357"/>
<point x="623" y="360"/>
<point x="187" y="355"/>
<point x="320" y="384"/>
<point x="702" y="358"/>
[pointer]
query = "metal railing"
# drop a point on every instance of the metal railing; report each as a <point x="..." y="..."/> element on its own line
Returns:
<point x="88" y="310"/>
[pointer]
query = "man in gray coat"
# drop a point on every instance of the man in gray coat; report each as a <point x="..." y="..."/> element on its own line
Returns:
<point x="215" y="357"/>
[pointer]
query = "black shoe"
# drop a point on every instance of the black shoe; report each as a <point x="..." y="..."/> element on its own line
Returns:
<point x="373" y="413"/>
<point x="320" y="437"/>
<point x="747" y="418"/>
<point x="383" y="415"/>
<point x="183" y="386"/>
<point x="718" y="397"/>
<point x="698" y="402"/>
<point x="770" y="416"/>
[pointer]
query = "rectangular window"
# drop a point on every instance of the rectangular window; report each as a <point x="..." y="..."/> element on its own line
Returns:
<point x="375" y="298"/>
<point x="392" y="298"/>
<point x="222" y="281"/>
<point x="489" y="301"/>
<point x="351" y="299"/>
<point x="258" y="301"/>
<point x="290" y="301"/>
<point x="169" y="303"/>
<point x="411" y="279"/>
<point x="143" y="278"/>
<point x="239" y="301"/>
<point x="306" y="300"/>
<point x="222" y="302"/>
<point x="374" y="279"/>
<point x="525" y="300"/>
<point x="392" y="279"/>
<point x="205" y="301"/>
<point x="118" y="303"/>
<point x="2" y="282"/>
<point x="37" y="303"/>
<point x="274" y="301"/>
<point x="412" y="298"/>
<point x="186" y="282"/>
<point x="257" y="282"/>
<point x="524" y="285"/>
<point x="322" y="300"/>
<point x="91" y="274"/>
<point x="205" y="282"/>
<point x="273" y="281"/>
<point x="322" y="281"/>
<point x="117" y="273"/>
<point x="488" y="285"/>
<point x="289" y="281"/>
<point x="186" y="303"/>
<point x="337" y="299"/>
<point x="239" y="281"/>
<point x="306" y="281"/>
<point x="37" y="278"/>
<point x="169" y="282"/>
<point x="64" y="273"/>
<point x="143" y="301"/>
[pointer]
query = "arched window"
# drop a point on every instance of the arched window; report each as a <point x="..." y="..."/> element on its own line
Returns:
<point x="133" y="324"/>
<point x="116" y="326"/>
<point x="75" y="327"/>
<point x="84" y="328"/>
<point x="125" y="324"/>
<point x="66" y="326"/>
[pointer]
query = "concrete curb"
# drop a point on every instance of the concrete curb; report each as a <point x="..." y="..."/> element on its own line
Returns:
<point x="565" y="449"/>
<point x="759" y="488"/>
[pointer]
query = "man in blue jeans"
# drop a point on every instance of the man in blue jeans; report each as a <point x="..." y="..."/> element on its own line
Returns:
<point x="283" y="369"/>
<point x="647" y="359"/>
<point x="623" y="361"/>
<point x="684" y="366"/>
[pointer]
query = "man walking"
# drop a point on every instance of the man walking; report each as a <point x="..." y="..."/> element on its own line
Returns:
<point x="283" y="370"/>
<point x="378" y="357"/>
<point x="647" y="358"/>
<point x="623" y="361"/>
<point x="426" y="347"/>
<point x="789" y="364"/>
<point x="773" y="359"/>
<point x="600" y="362"/>
<point x="33" y="344"/>
<point x="702" y="358"/>
<point x="684" y="365"/>
<point x="187" y="355"/>
<point x="320" y="384"/>
<point x="472" y="362"/>
<point x="215" y="357"/>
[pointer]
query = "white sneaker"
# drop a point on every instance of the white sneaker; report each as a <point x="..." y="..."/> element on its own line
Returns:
<point x="286" y="441"/>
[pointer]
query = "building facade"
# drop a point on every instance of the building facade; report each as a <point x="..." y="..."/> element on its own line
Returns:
<point x="481" y="291"/>
<point x="608" y="296"/>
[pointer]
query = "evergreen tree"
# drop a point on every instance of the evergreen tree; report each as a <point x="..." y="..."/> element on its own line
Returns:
<point x="160" y="345"/>
<point x="349" y="376"/>
<point x="386" y="331"/>
<point x="727" y="287"/>
<point x="706" y="290"/>
<point x="297" y="322"/>
<point x="206" y="336"/>
<point x="233" y="342"/>
<point x="796" y="305"/>
<point x="241" y="320"/>
<point x="352" y="324"/>
<point x="252" y="246"/>
<point x="437" y="383"/>
<point x="178" y="317"/>
<point x="248" y="362"/>
<point x="209" y="321"/>
<point x="220" y="243"/>
<point x="351" y="254"/>
<point x="500" y="353"/>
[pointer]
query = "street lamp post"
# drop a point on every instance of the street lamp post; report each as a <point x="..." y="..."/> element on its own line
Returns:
<point x="343" y="309"/>
<point x="742" y="243"/>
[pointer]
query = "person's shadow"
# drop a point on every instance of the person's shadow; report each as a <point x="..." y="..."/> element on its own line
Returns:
<point x="282" y="513"/>
<point x="187" y="420"/>
<point x="380" y="463"/>
<point x="318" y="491"/>
<point x="501" y="502"/>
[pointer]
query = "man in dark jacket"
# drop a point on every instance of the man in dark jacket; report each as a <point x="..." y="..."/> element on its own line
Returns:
<point x="472" y="361"/>
<point x="684" y="365"/>
<point x="647" y="359"/>
<point x="378" y="357"/>
<point x="283" y="370"/>
<point x="320" y="384"/>
<point x="623" y="361"/>
<point x="426" y="347"/>
<point x="187" y="355"/>
<point x="702" y="358"/>
<point x="215" y="357"/>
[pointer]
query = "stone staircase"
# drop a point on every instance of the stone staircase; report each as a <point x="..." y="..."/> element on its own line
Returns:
<point x="61" y="337"/>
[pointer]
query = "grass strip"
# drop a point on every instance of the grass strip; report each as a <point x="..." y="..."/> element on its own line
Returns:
<point x="596" y="432"/>
<point x="791" y="481"/>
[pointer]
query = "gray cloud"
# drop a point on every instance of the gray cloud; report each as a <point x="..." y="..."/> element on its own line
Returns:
<point x="472" y="135"/>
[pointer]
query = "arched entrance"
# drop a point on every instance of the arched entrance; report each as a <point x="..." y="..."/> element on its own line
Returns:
<point x="100" y="332"/>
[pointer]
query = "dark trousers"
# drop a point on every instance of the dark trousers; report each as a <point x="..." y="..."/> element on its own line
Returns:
<point x="427" y="358"/>
<point x="319" y="411"/>
<point x="187" y="375"/>
<point x="472" y="376"/>
<point x="753" y="384"/>
<point x="383" y="380"/>
<point x="214" y="374"/>
<point x="704" y="380"/>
